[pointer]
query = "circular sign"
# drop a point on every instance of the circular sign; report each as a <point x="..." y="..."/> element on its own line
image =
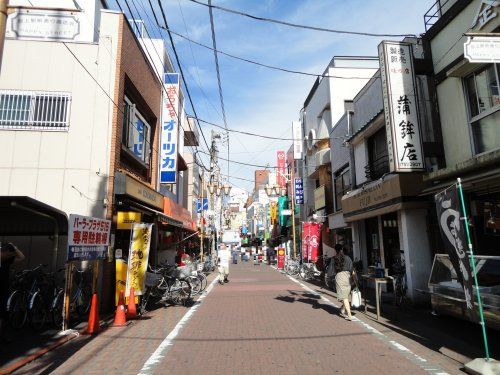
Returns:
<point x="314" y="240"/>
<point x="281" y="252"/>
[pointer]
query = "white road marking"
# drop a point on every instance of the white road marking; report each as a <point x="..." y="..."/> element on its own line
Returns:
<point x="159" y="353"/>
<point x="419" y="361"/>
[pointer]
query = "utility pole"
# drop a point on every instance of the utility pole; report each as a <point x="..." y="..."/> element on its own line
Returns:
<point x="201" y="214"/>
<point x="4" y="5"/>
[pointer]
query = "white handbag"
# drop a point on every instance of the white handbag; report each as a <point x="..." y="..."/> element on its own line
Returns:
<point x="355" y="298"/>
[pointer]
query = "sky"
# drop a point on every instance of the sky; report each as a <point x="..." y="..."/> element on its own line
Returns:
<point x="257" y="99"/>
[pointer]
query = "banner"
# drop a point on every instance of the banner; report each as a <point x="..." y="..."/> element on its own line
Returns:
<point x="454" y="238"/>
<point x="282" y="205"/>
<point x="311" y="237"/>
<point x="169" y="130"/>
<point x="88" y="237"/>
<point x="140" y="241"/>
<point x="297" y="140"/>
<point x="281" y="171"/>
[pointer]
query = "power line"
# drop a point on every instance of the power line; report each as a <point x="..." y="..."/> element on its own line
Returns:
<point x="239" y="162"/>
<point x="180" y="67"/>
<point x="273" y="67"/>
<point x="254" y="17"/>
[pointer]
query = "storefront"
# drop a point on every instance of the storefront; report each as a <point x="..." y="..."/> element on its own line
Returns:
<point x="388" y="221"/>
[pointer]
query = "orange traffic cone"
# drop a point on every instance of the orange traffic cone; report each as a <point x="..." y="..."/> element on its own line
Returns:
<point x="131" y="308"/>
<point x="120" y="318"/>
<point x="93" y="324"/>
<point x="121" y="299"/>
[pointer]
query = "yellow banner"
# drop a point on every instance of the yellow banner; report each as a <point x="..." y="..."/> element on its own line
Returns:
<point x="140" y="241"/>
<point x="124" y="220"/>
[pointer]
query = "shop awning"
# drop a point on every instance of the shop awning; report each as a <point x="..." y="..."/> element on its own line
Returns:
<point x="148" y="210"/>
<point x="179" y="213"/>
<point x="25" y="216"/>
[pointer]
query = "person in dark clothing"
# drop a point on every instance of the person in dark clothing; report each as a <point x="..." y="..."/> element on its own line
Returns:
<point x="8" y="255"/>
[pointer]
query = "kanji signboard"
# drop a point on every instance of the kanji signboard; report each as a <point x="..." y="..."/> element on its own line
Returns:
<point x="281" y="178"/>
<point x="299" y="191"/>
<point x="169" y="130"/>
<point x="88" y="237"/>
<point x="400" y="107"/>
<point x="140" y="241"/>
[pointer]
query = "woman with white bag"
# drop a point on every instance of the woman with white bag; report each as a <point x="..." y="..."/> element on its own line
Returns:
<point x="343" y="269"/>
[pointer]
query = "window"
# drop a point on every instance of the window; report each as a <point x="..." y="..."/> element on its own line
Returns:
<point x="34" y="110"/>
<point x="136" y="135"/>
<point x="378" y="163"/>
<point x="483" y="96"/>
<point x="342" y="186"/>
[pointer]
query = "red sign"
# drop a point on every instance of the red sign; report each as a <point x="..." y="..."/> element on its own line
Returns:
<point x="281" y="258"/>
<point x="281" y="169"/>
<point x="311" y="239"/>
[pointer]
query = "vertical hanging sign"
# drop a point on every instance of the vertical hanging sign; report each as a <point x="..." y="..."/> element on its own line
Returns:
<point x="299" y="191"/>
<point x="297" y="140"/>
<point x="400" y="107"/>
<point x="281" y="169"/>
<point x="169" y="130"/>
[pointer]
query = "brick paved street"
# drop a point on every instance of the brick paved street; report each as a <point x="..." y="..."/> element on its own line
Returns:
<point x="260" y="322"/>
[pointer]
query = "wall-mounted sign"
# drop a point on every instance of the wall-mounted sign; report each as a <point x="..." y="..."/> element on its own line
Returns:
<point x="141" y="192"/>
<point x="400" y="107"/>
<point x="486" y="11"/>
<point x="297" y="140"/>
<point x="299" y="191"/>
<point x="169" y="130"/>
<point x="482" y="49"/>
<point x="124" y="220"/>
<point x="43" y="25"/>
<point x="281" y="170"/>
<point x="319" y="197"/>
<point x="88" y="237"/>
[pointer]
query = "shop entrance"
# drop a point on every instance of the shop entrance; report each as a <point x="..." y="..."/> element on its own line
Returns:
<point x="372" y="241"/>
<point x="390" y="233"/>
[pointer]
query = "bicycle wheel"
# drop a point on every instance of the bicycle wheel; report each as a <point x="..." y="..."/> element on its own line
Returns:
<point x="292" y="270"/>
<point x="398" y="293"/>
<point x="37" y="312"/>
<point x="17" y="309"/>
<point x="304" y="274"/>
<point x="83" y="299"/>
<point x="195" y="285"/>
<point x="203" y="280"/>
<point x="57" y="309"/>
<point x="180" y="292"/>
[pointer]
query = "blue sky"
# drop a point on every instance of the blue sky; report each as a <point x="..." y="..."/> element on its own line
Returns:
<point x="258" y="99"/>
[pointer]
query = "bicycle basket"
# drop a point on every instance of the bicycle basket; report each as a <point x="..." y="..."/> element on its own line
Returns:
<point x="152" y="279"/>
<point x="185" y="271"/>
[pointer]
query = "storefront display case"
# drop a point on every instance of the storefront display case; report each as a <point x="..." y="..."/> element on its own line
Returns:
<point x="447" y="294"/>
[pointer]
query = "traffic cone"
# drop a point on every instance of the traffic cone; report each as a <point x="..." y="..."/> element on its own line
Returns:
<point x="131" y="308"/>
<point x="121" y="299"/>
<point x="93" y="324"/>
<point x="120" y="318"/>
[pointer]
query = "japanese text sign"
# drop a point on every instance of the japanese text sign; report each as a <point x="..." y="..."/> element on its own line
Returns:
<point x="140" y="241"/>
<point x="299" y="191"/>
<point x="88" y="237"/>
<point x="297" y="140"/>
<point x="400" y="107"/>
<point x="281" y="179"/>
<point x="169" y="130"/>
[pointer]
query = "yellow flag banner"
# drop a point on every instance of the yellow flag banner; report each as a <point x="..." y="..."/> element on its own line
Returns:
<point x="140" y="241"/>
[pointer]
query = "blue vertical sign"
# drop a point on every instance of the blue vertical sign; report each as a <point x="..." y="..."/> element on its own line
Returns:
<point x="169" y="129"/>
<point x="198" y="205"/>
<point x="299" y="191"/>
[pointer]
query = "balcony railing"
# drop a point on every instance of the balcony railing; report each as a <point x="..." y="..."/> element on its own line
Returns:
<point x="377" y="168"/>
<point x="436" y="11"/>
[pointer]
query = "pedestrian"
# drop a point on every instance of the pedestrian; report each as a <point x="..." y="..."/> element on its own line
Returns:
<point x="223" y="263"/>
<point x="343" y="269"/>
<point x="9" y="254"/>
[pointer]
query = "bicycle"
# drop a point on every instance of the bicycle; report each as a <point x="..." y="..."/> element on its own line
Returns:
<point x="40" y="303"/>
<point x="400" y="286"/>
<point x="292" y="267"/>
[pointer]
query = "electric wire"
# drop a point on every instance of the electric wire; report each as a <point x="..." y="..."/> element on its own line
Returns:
<point x="314" y="28"/>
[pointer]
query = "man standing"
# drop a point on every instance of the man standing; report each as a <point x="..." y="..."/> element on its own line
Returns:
<point x="223" y="263"/>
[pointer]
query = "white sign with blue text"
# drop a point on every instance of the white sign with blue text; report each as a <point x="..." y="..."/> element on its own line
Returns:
<point x="169" y="130"/>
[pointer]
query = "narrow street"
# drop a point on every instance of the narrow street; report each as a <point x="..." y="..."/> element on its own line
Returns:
<point x="260" y="322"/>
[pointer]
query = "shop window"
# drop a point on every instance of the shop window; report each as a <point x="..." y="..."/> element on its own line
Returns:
<point x="34" y="110"/>
<point x="483" y="97"/>
<point x="342" y="186"/>
<point x="378" y="163"/>
<point x="136" y="135"/>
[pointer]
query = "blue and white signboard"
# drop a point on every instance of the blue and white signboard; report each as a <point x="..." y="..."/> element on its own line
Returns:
<point x="198" y="205"/>
<point x="299" y="191"/>
<point x="169" y="130"/>
<point x="88" y="237"/>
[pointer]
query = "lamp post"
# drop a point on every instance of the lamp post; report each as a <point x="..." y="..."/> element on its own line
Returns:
<point x="276" y="190"/>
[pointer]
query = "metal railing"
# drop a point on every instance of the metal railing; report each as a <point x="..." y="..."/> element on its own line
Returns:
<point x="435" y="12"/>
<point x="377" y="168"/>
<point x="34" y="110"/>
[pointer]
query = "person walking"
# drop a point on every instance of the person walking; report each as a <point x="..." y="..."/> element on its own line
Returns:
<point x="343" y="270"/>
<point x="223" y="263"/>
<point x="9" y="254"/>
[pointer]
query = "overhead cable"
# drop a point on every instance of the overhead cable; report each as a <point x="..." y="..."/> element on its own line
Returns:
<point x="315" y="28"/>
<point x="286" y="70"/>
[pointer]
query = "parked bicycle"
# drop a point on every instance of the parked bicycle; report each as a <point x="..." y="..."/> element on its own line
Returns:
<point x="400" y="287"/>
<point x="309" y="271"/>
<point x="292" y="267"/>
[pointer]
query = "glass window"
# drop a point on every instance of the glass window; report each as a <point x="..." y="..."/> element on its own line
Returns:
<point x="483" y="95"/>
<point x="136" y="135"/>
<point x="342" y="186"/>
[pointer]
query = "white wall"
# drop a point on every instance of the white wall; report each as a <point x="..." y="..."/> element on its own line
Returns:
<point x="65" y="169"/>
